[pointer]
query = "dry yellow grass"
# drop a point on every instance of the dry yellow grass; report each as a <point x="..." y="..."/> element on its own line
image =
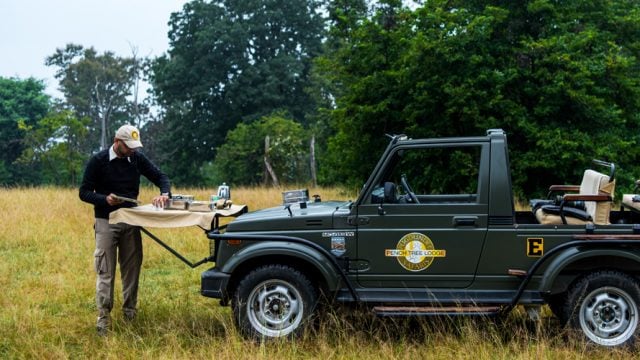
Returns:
<point x="47" y="308"/>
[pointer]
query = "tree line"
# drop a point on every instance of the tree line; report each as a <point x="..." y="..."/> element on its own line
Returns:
<point x="247" y="86"/>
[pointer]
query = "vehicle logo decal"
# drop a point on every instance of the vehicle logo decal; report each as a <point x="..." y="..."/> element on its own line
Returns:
<point x="338" y="245"/>
<point x="415" y="252"/>
<point x="338" y="241"/>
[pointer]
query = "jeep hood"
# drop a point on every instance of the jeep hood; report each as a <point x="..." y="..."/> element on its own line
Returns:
<point x="316" y="215"/>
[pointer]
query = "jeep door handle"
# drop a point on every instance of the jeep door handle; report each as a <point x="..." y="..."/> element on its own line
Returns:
<point x="465" y="220"/>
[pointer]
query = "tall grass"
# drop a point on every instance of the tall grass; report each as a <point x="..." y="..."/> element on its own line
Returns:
<point x="47" y="306"/>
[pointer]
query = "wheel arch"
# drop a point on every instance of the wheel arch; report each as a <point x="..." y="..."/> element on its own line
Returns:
<point x="574" y="263"/>
<point x="308" y="261"/>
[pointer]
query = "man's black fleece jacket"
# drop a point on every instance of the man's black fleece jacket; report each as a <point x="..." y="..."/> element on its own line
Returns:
<point x="120" y="176"/>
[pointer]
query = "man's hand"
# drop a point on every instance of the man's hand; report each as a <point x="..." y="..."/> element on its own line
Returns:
<point x="160" y="201"/>
<point x="111" y="200"/>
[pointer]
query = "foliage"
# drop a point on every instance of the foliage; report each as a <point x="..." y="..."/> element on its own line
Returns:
<point x="53" y="147"/>
<point x="560" y="78"/>
<point x="97" y="86"/>
<point x="231" y="61"/>
<point x="241" y="159"/>
<point x="367" y="100"/>
<point x="343" y="18"/>
<point x="25" y="101"/>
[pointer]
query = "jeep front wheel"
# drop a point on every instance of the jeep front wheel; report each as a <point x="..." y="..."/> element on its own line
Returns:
<point x="604" y="307"/>
<point x="273" y="301"/>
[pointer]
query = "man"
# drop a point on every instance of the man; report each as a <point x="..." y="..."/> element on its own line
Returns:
<point x="116" y="172"/>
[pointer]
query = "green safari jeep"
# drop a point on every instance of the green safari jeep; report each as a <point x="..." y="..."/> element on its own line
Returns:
<point x="434" y="231"/>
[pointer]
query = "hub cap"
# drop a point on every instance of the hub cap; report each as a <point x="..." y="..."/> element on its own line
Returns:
<point x="608" y="316"/>
<point x="275" y="308"/>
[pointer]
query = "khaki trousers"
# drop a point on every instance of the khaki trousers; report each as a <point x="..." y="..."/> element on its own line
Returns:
<point x="121" y="242"/>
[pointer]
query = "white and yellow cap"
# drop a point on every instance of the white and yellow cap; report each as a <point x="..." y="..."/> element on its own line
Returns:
<point x="130" y="135"/>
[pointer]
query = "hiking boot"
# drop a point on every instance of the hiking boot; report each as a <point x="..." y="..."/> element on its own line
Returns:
<point x="104" y="320"/>
<point x="102" y="330"/>
<point x="129" y="314"/>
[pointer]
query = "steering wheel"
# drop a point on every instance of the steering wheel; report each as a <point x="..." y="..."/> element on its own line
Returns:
<point x="412" y="196"/>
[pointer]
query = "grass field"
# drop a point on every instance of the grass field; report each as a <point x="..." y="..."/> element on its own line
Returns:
<point x="47" y="306"/>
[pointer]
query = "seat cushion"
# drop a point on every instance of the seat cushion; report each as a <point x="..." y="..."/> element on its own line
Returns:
<point x="553" y="217"/>
<point x="568" y="211"/>
<point x="592" y="183"/>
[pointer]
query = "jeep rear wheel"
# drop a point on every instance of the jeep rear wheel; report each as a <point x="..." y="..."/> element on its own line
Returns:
<point x="273" y="301"/>
<point x="604" y="307"/>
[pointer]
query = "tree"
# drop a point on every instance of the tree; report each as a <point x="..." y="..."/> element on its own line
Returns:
<point x="327" y="81"/>
<point x="241" y="160"/>
<point x="578" y="85"/>
<point x="232" y="61"/>
<point x="53" y="147"/>
<point x="96" y="86"/>
<point x="20" y="100"/>
<point x="369" y="96"/>
<point x="560" y="77"/>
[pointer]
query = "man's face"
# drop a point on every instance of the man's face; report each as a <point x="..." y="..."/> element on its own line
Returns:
<point x="122" y="150"/>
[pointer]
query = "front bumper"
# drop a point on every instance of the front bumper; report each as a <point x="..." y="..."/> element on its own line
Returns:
<point x="214" y="284"/>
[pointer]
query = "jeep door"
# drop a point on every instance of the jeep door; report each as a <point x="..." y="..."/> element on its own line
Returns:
<point x="433" y="239"/>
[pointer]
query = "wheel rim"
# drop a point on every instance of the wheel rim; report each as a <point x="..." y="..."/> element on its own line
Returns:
<point x="608" y="316"/>
<point x="275" y="308"/>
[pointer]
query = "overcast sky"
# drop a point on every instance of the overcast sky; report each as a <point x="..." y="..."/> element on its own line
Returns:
<point x="31" y="30"/>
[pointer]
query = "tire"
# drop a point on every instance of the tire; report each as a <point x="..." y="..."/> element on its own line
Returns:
<point x="273" y="301"/>
<point x="603" y="306"/>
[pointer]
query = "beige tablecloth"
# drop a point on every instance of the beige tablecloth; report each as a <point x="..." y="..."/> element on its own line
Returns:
<point x="148" y="216"/>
